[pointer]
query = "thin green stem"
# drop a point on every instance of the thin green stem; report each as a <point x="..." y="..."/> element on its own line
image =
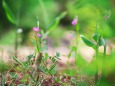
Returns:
<point x="16" y="43"/>
<point x="97" y="48"/>
<point x="45" y="13"/>
<point x="96" y="75"/>
<point x="17" y="25"/>
<point x="103" y="64"/>
<point x="76" y="44"/>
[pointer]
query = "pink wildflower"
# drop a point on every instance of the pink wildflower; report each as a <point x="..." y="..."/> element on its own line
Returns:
<point x="75" y="20"/>
<point x="38" y="35"/>
<point x="36" y="29"/>
<point x="71" y="36"/>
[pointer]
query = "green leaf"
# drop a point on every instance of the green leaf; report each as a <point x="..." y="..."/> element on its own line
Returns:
<point x="77" y="27"/>
<point x="9" y="13"/>
<point x="74" y="48"/>
<point x="43" y="48"/>
<point x="45" y="57"/>
<point x="101" y="42"/>
<point x="30" y="56"/>
<point x="3" y="66"/>
<point x="3" y="81"/>
<point x="90" y="69"/>
<point x="33" y="42"/>
<point x="79" y="61"/>
<point x="58" y="55"/>
<point x="52" y="67"/>
<point x="97" y="37"/>
<point x="22" y="85"/>
<point x="44" y="69"/>
<point x="13" y="75"/>
<point x="56" y="21"/>
<point x="69" y="55"/>
<point x="88" y="42"/>
<point x="18" y="61"/>
<point x="57" y="79"/>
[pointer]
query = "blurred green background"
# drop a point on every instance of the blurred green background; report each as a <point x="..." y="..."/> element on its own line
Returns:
<point x="27" y="12"/>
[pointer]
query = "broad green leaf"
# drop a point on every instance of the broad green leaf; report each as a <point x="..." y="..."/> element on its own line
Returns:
<point x="88" y="42"/>
<point x="56" y="21"/>
<point x="9" y="13"/>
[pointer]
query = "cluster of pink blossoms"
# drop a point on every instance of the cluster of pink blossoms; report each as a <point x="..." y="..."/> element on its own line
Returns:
<point x="36" y="30"/>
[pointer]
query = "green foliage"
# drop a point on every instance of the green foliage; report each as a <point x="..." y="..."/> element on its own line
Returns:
<point x="56" y="21"/>
<point x="3" y="81"/>
<point x="13" y="75"/>
<point x="77" y="27"/>
<point x="19" y="62"/>
<point x="3" y="66"/>
<point x="72" y="50"/>
<point x="6" y="39"/>
<point x="88" y="42"/>
<point x="37" y="74"/>
<point x="30" y="56"/>
<point x="9" y="13"/>
<point x="80" y="61"/>
<point x="71" y="72"/>
<point x="97" y="37"/>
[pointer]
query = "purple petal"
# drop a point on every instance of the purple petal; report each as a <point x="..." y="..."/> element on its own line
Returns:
<point x="36" y="29"/>
<point x="75" y="20"/>
<point x="38" y="35"/>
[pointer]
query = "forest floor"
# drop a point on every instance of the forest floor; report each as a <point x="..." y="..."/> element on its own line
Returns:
<point x="7" y="52"/>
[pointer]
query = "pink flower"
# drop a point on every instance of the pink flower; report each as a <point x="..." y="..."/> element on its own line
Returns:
<point x="75" y="20"/>
<point x="36" y="29"/>
<point x="71" y="36"/>
<point x="38" y="35"/>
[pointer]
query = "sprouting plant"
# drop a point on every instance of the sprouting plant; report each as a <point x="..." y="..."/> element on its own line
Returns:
<point x="41" y="70"/>
<point x="99" y="41"/>
<point x="41" y="59"/>
<point x="74" y="48"/>
<point x="14" y="20"/>
<point x="72" y="72"/>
